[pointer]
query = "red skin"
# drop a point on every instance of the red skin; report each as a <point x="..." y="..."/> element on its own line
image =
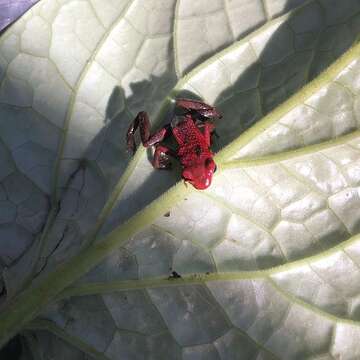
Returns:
<point x="193" y="150"/>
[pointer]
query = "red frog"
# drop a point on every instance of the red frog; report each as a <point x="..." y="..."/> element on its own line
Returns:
<point x="192" y="132"/>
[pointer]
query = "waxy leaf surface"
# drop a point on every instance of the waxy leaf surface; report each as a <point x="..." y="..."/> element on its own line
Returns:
<point x="268" y="256"/>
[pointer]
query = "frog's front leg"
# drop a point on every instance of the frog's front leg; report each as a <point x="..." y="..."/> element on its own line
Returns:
<point x="208" y="131"/>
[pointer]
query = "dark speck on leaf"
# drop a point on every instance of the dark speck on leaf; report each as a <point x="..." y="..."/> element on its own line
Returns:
<point x="174" y="275"/>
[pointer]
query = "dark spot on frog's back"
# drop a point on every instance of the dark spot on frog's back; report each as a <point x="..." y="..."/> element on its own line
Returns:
<point x="198" y="150"/>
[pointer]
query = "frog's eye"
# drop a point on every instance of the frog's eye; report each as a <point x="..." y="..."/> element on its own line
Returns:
<point x="210" y="164"/>
<point x="208" y="161"/>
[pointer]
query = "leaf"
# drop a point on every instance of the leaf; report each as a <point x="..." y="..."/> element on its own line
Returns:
<point x="10" y="11"/>
<point x="267" y="255"/>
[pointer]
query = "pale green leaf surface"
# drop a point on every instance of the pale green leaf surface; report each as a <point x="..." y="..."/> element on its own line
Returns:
<point x="212" y="26"/>
<point x="327" y="113"/>
<point x="268" y="254"/>
<point x="100" y="84"/>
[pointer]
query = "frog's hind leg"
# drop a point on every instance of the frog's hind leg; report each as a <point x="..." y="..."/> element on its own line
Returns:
<point x="198" y="109"/>
<point x="142" y="122"/>
<point x="162" y="157"/>
<point x="158" y="136"/>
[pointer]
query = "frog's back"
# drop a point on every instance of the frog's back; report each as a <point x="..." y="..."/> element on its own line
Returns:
<point x="186" y="133"/>
<point x="192" y="145"/>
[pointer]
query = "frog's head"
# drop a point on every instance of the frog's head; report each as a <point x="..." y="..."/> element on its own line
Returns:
<point x="200" y="174"/>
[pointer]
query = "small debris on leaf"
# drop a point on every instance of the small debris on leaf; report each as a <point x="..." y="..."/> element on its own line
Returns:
<point x="174" y="275"/>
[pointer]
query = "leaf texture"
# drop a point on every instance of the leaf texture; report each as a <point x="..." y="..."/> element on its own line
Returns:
<point x="267" y="255"/>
